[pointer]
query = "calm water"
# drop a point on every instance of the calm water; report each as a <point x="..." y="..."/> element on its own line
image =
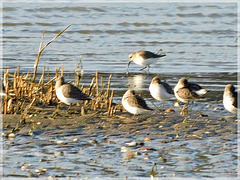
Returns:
<point x="198" y="39"/>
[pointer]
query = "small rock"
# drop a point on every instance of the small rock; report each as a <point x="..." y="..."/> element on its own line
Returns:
<point x="75" y="139"/>
<point x="11" y="135"/>
<point x="147" y="157"/>
<point x="169" y="110"/>
<point x="60" y="142"/>
<point x="123" y="149"/>
<point x="208" y="106"/>
<point x="138" y="153"/>
<point x="135" y="143"/>
<point x="129" y="154"/>
<point x="176" y="104"/>
<point x="163" y="159"/>
<point x="147" y="139"/>
<point x="111" y="142"/>
<point x="58" y="153"/>
<point x="94" y="141"/>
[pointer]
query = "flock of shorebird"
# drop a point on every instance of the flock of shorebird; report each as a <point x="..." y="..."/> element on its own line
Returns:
<point x="184" y="91"/>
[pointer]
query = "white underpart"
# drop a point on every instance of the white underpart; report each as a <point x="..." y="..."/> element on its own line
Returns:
<point x="160" y="94"/>
<point x="65" y="100"/>
<point x="201" y="92"/>
<point x="144" y="62"/>
<point x="132" y="109"/>
<point x="3" y="94"/>
<point x="227" y="103"/>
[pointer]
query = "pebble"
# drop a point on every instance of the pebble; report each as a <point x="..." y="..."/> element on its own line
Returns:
<point x="58" y="153"/>
<point x="40" y="171"/>
<point x="208" y="106"/>
<point x="147" y="139"/>
<point x="208" y="133"/>
<point x="94" y="141"/>
<point x="169" y="110"/>
<point x="111" y="142"/>
<point x="11" y="135"/>
<point x="75" y="139"/>
<point x="147" y="157"/>
<point x="129" y="154"/>
<point x="60" y="142"/>
<point x="135" y="143"/>
<point x="176" y="104"/>
<point x="24" y="167"/>
<point x="124" y="149"/>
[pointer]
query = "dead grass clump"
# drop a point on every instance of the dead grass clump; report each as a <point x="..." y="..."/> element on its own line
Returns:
<point x="26" y="91"/>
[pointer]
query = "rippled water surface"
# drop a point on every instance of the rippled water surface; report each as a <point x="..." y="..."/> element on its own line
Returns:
<point x="200" y="41"/>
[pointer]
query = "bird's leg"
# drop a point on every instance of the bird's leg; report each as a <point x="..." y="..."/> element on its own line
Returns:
<point x="55" y="112"/>
<point x="143" y="68"/>
<point x="184" y="111"/>
<point x="192" y="105"/>
<point x="156" y="106"/>
<point x="69" y="107"/>
<point x="163" y="104"/>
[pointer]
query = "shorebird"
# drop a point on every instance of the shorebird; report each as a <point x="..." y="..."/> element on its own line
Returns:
<point x="159" y="90"/>
<point x="144" y="58"/>
<point x="187" y="92"/>
<point x="230" y="99"/>
<point x="68" y="93"/>
<point x="134" y="104"/>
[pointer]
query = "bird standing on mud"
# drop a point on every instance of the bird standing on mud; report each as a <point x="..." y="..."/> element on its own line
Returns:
<point x="188" y="92"/>
<point x="159" y="90"/>
<point x="134" y="104"/>
<point x="68" y="93"/>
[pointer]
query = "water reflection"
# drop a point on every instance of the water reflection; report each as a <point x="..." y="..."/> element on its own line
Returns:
<point x="137" y="82"/>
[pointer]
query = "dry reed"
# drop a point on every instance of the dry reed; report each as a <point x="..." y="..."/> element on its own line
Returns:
<point x="24" y="93"/>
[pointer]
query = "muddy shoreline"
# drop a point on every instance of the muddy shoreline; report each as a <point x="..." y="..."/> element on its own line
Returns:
<point x="105" y="140"/>
<point x="47" y="119"/>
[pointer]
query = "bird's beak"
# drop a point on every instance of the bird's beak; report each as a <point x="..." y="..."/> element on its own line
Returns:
<point x="162" y="55"/>
<point x="129" y="64"/>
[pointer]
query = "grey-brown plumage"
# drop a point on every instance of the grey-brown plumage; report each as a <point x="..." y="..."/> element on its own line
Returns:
<point x="145" y="55"/>
<point x="144" y="58"/>
<point x="133" y="103"/>
<point x="68" y="93"/>
<point x="137" y="101"/>
<point x="185" y="91"/>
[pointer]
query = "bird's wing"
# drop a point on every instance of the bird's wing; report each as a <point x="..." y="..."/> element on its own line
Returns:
<point x="148" y="54"/>
<point x="138" y="101"/>
<point x="194" y="87"/>
<point x="72" y="91"/>
<point x="185" y="93"/>
<point x="168" y="88"/>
